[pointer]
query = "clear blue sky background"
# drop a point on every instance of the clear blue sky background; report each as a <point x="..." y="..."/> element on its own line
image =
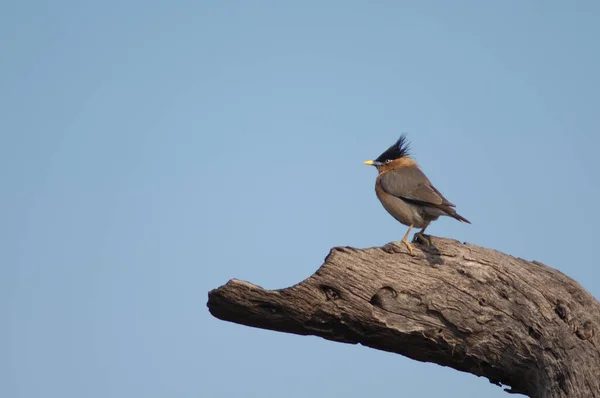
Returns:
<point x="150" y="151"/>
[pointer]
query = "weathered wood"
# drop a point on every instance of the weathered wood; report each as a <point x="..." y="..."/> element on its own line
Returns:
<point x="518" y="323"/>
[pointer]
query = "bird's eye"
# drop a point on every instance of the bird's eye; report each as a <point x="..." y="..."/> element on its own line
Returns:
<point x="388" y="161"/>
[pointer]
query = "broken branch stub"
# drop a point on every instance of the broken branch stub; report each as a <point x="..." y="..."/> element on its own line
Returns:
<point x="516" y="322"/>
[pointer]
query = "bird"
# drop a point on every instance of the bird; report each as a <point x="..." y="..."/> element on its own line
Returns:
<point x="407" y="194"/>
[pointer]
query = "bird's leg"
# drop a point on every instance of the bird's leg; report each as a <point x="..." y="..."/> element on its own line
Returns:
<point x="405" y="240"/>
<point x="421" y="237"/>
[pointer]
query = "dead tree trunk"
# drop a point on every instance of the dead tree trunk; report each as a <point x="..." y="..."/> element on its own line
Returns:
<point x="518" y="323"/>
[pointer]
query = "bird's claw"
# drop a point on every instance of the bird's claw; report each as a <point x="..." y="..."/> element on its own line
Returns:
<point x="408" y="246"/>
<point x="422" y="238"/>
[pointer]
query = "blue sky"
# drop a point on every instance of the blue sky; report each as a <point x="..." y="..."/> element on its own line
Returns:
<point x="151" y="151"/>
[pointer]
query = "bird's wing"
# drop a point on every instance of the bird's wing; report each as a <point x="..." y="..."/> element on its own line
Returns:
<point x="411" y="184"/>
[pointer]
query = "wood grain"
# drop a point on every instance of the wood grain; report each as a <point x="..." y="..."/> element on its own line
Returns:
<point x="519" y="323"/>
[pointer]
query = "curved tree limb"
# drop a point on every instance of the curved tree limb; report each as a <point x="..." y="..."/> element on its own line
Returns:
<point x="518" y="323"/>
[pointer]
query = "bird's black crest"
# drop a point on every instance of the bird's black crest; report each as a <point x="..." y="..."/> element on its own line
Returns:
<point x="398" y="150"/>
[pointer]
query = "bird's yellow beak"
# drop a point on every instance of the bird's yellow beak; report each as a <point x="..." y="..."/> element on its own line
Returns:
<point x="368" y="163"/>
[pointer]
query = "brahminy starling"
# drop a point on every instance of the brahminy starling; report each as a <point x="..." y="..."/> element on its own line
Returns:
<point x="407" y="194"/>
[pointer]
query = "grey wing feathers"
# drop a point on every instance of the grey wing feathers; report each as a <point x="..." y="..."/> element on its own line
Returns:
<point x="411" y="184"/>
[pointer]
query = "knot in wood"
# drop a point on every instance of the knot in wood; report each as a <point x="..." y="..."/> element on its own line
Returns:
<point x="384" y="294"/>
<point x="585" y="331"/>
<point x="534" y="333"/>
<point x="562" y="311"/>
<point x="331" y="294"/>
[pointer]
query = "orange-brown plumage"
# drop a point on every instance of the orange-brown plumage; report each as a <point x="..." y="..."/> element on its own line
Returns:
<point x="396" y="164"/>
<point x="406" y="193"/>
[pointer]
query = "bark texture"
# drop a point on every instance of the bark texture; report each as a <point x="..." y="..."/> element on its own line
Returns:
<point x="519" y="323"/>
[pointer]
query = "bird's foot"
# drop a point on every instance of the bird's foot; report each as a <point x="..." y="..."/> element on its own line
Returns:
<point x="408" y="246"/>
<point x="422" y="238"/>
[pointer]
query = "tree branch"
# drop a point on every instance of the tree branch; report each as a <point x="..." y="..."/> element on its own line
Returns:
<point x="518" y="323"/>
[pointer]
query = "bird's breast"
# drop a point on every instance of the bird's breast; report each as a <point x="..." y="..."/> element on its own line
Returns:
<point x="404" y="212"/>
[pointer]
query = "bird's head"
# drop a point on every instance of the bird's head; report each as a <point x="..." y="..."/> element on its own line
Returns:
<point x="395" y="156"/>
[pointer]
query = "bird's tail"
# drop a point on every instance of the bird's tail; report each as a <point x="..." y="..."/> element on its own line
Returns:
<point x="460" y="218"/>
<point x="452" y="213"/>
